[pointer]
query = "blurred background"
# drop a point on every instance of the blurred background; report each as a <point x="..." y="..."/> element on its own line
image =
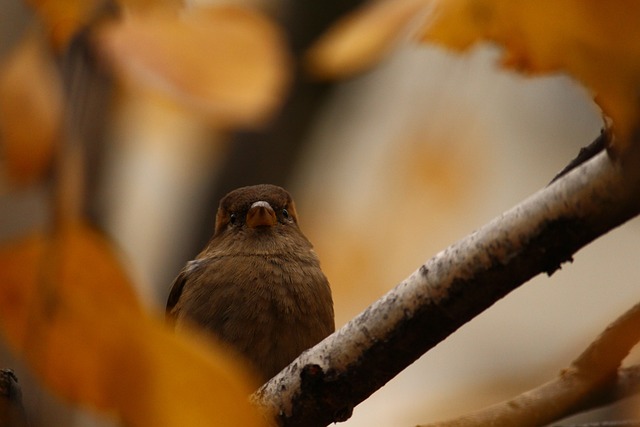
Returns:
<point x="387" y="169"/>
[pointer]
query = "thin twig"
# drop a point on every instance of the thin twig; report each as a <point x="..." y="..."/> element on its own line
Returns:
<point x="586" y="153"/>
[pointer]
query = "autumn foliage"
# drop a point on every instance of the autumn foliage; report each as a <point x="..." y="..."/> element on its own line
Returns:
<point x="66" y="306"/>
<point x="596" y="43"/>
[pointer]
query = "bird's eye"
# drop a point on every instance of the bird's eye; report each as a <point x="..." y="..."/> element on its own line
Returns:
<point x="285" y="213"/>
<point x="233" y="218"/>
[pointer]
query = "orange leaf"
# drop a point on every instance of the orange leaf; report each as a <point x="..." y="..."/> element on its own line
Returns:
<point x="68" y="309"/>
<point x="363" y="38"/>
<point x="226" y="62"/>
<point x="30" y="110"/>
<point x="596" y="42"/>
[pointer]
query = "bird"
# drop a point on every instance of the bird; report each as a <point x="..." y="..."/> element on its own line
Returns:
<point x="257" y="286"/>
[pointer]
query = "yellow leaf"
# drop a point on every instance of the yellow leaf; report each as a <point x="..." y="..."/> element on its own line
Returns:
<point x="596" y="42"/>
<point x="68" y="309"/>
<point x="363" y="38"/>
<point x="149" y="5"/>
<point x="226" y="62"/>
<point x="30" y="110"/>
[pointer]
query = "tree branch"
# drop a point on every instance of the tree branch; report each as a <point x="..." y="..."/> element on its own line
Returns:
<point x="12" y="413"/>
<point x="325" y="383"/>
<point x="580" y="387"/>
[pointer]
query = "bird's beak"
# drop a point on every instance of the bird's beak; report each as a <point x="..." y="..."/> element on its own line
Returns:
<point x="261" y="214"/>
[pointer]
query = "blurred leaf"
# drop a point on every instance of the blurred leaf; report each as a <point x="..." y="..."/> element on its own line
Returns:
<point x="68" y="309"/>
<point x="30" y="110"/>
<point x="138" y="6"/>
<point x="227" y="62"/>
<point x="596" y="42"/>
<point x="362" y="38"/>
<point x="62" y="19"/>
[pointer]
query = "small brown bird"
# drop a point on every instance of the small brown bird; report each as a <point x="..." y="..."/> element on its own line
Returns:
<point x="257" y="285"/>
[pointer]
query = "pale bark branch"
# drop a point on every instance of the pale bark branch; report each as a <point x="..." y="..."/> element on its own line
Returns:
<point x="590" y="381"/>
<point x="325" y="383"/>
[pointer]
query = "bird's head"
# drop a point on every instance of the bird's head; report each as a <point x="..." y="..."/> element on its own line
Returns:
<point x="258" y="207"/>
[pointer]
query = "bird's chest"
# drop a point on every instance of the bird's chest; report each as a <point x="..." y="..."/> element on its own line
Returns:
<point x="259" y="290"/>
<point x="277" y="287"/>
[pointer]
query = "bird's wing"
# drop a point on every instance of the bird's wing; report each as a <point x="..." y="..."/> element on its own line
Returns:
<point x="178" y="285"/>
<point x="176" y="291"/>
